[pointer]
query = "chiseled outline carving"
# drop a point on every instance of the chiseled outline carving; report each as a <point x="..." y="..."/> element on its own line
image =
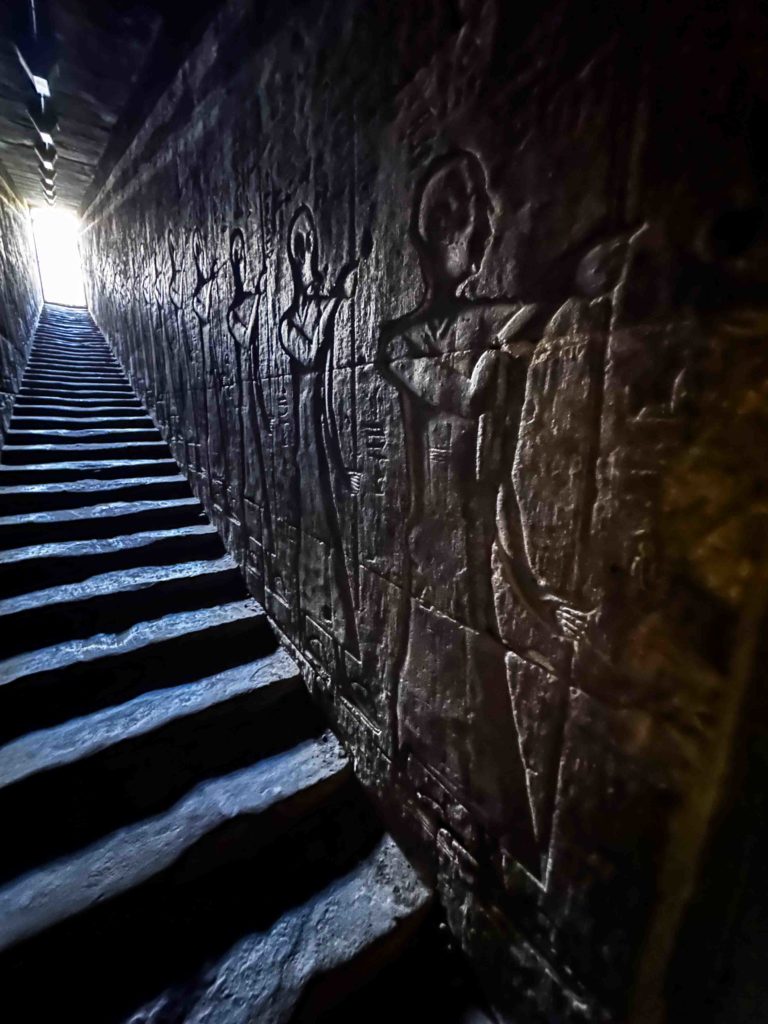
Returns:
<point x="460" y="370"/>
<point x="246" y="334"/>
<point x="202" y="297"/>
<point x="307" y="336"/>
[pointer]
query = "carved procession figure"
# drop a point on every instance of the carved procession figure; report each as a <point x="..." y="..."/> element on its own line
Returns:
<point x="204" y="271"/>
<point x="245" y="327"/>
<point x="307" y="336"/>
<point x="460" y="370"/>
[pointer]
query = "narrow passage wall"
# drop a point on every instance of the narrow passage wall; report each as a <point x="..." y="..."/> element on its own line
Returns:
<point x="454" y="312"/>
<point x="20" y="294"/>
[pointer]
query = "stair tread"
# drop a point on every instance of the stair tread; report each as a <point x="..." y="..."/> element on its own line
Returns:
<point x="19" y="423"/>
<point x="85" y="486"/>
<point x="117" y="508"/>
<point x="142" y="635"/>
<point x="264" y="976"/>
<point x="79" y="738"/>
<point x="117" y="582"/>
<point x="63" y="436"/>
<point x="102" y="545"/>
<point x="117" y="445"/>
<point x="84" y="464"/>
<point x="136" y="853"/>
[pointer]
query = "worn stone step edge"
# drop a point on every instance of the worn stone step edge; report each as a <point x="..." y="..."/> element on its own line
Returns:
<point x="134" y="854"/>
<point x="274" y="675"/>
<point x="65" y="413"/>
<point x="85" y="486"/>
<point x="72" y="424"/>
<point x="358" y="923"/>
<point x="73" y="404"/>
<point x="21" y="499"/>
<point x="119" y="582"/>
<point x="16" y="438"/>
<point x="51" y="660"/>
<point x="32" y="455"/>
<point x="118" y="509"/>
<point x="75" y="549"/>
<point x="86" y="466"/>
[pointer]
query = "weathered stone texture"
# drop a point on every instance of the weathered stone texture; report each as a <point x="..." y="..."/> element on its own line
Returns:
<point x="20" y="295"/>
<point x="455" y="315"/>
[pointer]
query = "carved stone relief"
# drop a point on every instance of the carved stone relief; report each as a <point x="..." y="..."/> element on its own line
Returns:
<point x="431" y="337"/>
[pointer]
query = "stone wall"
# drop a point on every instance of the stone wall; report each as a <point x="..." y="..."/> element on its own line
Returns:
<point x="20" y="294"/>
<point x="454" y="312"/>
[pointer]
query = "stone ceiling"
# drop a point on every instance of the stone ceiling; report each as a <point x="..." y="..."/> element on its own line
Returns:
<point x="102" y="61"/>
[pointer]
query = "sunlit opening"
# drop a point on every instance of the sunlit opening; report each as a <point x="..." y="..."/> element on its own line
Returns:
<point x="58" y="256"/>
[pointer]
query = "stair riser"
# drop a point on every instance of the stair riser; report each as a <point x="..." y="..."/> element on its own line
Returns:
<point x="145" y="775"/>
<point x="65" y="414"/>
<point x="66" y="453"/>
<point x="62" y="437"/>
<point x="36" y="501"/>
<point x="69" y="377"/>
<point x="239" y="879"/>
<point x="13" y="477"/>
<point x="42" y="573"/>
<point x="62" y="391"/>
<point x="51" y="697"/>
<point x="56" y="362"/>
<point x="24" y="534"/>
<point x="116" y="612"/>
<point x="38" y="402"/>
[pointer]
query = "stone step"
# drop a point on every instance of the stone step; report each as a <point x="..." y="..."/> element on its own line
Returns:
<point x="85" y="470"/>
<point x="331" y="949"/>
<point x="68" y="411"/>
<point x="78" y="436"/>
<point x="48" y="340"/>
<point x="63" y="381"/>
<point x="279" y="790"/>
<point x="42" y="566"/>
<point x="94" y="521"/>
<point x="38" y="364"/>
<point x="74" y="369"/>
<point x="38" y="355"/>
<point x="75" y="402"/>
<point x="40" y="454"/>
<point x="78" y="493"/>
<point x="134" y="595"/>
<point x="71" y="424"/>
<point x="93" y="775"/>
<point x="72" y="349"/>
<point x="34" y="378"/>
<point x="74" y="678"/>
<point x="75" y="391"/>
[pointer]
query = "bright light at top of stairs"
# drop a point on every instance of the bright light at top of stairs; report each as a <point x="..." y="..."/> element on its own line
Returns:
<point x="58" y="255"/>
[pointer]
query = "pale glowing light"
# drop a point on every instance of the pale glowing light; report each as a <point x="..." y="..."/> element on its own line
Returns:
<point x="58" y="256"/>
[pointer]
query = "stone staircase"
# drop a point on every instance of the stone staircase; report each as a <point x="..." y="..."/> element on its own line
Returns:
<point x="183" y="840"/>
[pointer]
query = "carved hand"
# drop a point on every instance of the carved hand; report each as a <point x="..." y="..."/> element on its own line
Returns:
<point x="572" y="621"/>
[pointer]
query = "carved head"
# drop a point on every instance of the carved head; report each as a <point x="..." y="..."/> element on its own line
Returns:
<point x="237" y="255"/>
<point x="171" y="239"/>
<point x="451" y="223"/>
<point x="302" y="248"/>
<point x="198" y="252"/>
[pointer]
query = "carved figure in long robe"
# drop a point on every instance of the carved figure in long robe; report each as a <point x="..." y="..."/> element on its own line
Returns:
<point x="307" y="336"/>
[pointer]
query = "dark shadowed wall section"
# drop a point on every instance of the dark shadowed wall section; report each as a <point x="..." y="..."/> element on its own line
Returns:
<point x="454" y="315"/>
<point x="20" y="294"/>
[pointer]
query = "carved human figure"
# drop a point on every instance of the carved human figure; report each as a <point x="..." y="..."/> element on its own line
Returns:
<point x="244" y="326"/>
<point x="307" y="336"/>
<point x="205" y="273"/>
<point x="177" y="354"/>
<point x="460" y="369"/>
